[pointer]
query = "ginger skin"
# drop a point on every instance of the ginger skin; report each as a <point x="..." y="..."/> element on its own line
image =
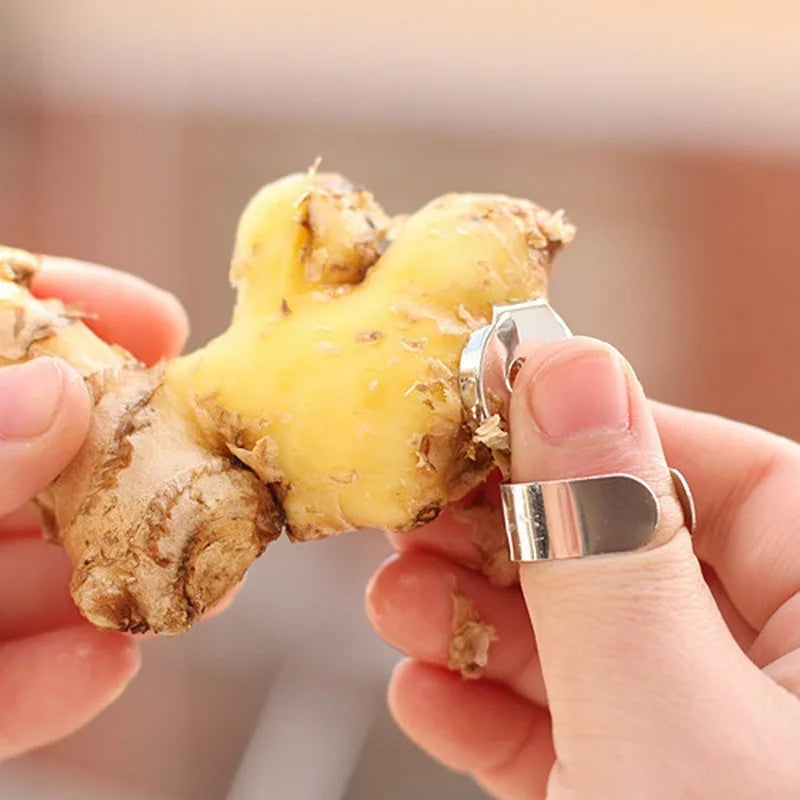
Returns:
<point x="470" y="640"/>
<point x="331" y="403"/>
<point x="157" y="524"/>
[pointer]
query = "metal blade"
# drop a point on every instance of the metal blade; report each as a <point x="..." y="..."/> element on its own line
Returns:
<point x="488" y="356"/>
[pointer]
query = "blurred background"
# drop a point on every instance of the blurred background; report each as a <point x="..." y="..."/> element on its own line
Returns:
<point x="133" y="134"/>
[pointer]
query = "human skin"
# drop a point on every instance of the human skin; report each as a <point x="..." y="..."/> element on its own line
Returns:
<point x="669" y="672"/>
<point x="664" y="675"/>
<point x="56" y="670"/>
<point x="190" y="469"/>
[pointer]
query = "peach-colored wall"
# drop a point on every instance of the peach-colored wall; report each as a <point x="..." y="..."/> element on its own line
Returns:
<point x="133" y="133"/>
<point x="688" y="262"/>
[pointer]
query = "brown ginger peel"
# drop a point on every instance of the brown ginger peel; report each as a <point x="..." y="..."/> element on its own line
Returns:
<point x="331" y="403"/>
<point x="470" y="640"/>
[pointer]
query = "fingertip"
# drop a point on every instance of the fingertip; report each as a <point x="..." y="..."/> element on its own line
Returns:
<point x="473" y="726"/>
<point x="577" y="410"/>
<point x="180" y="328"/>
<point x="121" y="308"/>
<point x="23" y="521"/>
<point x="54" y="683"/>
<point x="103" y="666"/>
<point x="168" y="334"/>
<point x="34" y="588"/>
<point x="534" y="355"/>
<point x="34" y="395"/>
<point x="125" y="659"/>
<point x="411" y="603"/>
<point x="415" y="697"/>
<point x="75" y="400"/>
<point x="104" y="661"/>
<point x="455" y="533"/>
<point x="45" y="412"/>
<point x="73" y="417"/>
<point x="173" y="326"/>
<point x="402" y="676"/>
<point x="374" y="589"/>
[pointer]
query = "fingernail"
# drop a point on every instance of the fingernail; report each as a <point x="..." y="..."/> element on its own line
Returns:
<point x="30" y="395"/>
<point x="578" y="394"/>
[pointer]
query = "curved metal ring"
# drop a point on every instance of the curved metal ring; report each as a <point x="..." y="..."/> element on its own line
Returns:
<point x="585" y="516"/>
<point x="488" y="356"/>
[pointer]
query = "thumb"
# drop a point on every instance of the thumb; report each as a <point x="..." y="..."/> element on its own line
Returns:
<point x="633" y="649"/>
<point x="44" y="417"/>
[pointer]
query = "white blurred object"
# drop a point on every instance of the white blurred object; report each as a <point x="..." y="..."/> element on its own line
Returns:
<point x="65" y="783"/>
<point x="309" y="737"/>
<point x="273" y="699"/>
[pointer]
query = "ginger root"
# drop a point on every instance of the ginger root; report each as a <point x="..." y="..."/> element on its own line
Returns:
<point x="470" y="640"/>
<point x="331" y="403"/>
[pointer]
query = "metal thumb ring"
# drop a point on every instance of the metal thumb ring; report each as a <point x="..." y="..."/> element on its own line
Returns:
<point x="585" y="516"/>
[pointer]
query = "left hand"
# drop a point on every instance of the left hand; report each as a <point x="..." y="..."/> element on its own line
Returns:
<point x="56" y="670"/>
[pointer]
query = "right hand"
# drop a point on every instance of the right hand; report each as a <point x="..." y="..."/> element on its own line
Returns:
<point x="668" y="672"/>
<point x="56" y="670"/>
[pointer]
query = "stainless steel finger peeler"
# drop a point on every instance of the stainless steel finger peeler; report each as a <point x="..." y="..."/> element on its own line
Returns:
<point x="563" y="518"/>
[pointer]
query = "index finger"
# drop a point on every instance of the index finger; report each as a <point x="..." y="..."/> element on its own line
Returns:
<point x="470" y="532"/>
<point x="121" y="308"/>
<point x="744" y="481"/>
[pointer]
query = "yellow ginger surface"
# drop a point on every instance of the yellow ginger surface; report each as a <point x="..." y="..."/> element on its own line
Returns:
<point x="331" y="403"/>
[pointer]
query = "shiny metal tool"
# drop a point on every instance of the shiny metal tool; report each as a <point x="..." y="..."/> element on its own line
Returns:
<point x="566" y="518"/>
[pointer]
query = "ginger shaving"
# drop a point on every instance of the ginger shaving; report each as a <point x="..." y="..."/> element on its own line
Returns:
<point x="471" y="639"/>
<point x="492" y="433"/>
